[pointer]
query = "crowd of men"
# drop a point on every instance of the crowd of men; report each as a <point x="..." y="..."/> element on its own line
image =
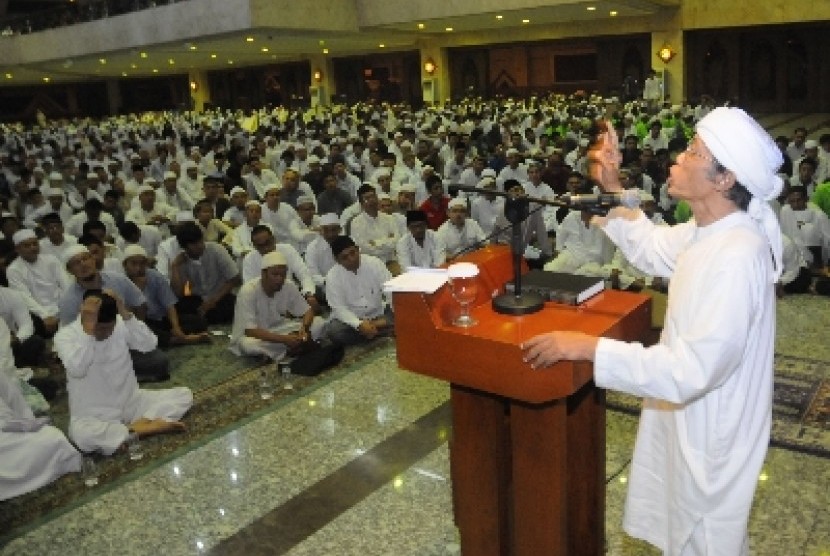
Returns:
<point x="124" y="237"/>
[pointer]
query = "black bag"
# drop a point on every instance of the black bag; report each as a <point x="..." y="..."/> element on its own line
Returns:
<point x="315" y="361"/>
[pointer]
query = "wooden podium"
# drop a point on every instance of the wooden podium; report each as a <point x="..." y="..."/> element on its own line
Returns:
<point x="527" y="453"/>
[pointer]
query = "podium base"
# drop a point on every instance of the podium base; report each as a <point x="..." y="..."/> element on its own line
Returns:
<point x="524" y="304"/>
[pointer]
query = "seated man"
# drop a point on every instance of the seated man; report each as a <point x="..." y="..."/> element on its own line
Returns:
<point x="105" y="402"/>
<point x="56" y="240"/>
<point x="34" y="454"/>
<point x="460" y="234"/>
<point x="354" y="291"/>
<point x="162" y="316"/>
<point x="420" y="247"/>
<point x="807" y="226"/>
<point x="375" y="232"/>
<point x="272" y="318"/>
<point x="149" y="366"/>
<point x="318" y="257"/>
<point x="210" y="272"/>
<point x="28" y="347"/>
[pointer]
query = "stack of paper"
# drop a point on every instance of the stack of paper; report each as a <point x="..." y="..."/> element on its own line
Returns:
<point x="426" y="280"/>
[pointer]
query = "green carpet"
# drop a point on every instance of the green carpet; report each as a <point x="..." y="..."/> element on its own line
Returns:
<point x="226" y="395"/>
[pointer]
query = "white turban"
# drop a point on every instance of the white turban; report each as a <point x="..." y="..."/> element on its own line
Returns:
<point x="741" y="145"/>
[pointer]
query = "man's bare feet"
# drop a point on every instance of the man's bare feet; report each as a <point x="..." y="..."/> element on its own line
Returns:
<point x="149" y="427"/>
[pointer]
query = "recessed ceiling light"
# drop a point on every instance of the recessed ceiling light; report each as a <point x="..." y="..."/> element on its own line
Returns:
<point x="381" y="45"/>
<point x="230" y="62"/>
<point x="591" y="8"/>
<point x="155" y="70"/>
<point x="213" y="55"/>
<point x="321" y="43"/>
<point x="448" y="29"/>
<point x="249" y="39"/>
<point x="171" y="61"/>
<point x="421" y="26"/>
<point x="102" y="60"/>
<point x="325" y="51"/>
<point x="192" y="47"/>
<point x="613" y="13"/>
<point x="123" y="74"/>
<point x="264" y="49"/>
<point x="46" y="80"/>
<point x="9" y="76"/>
<point x="143" y="54"/>
<point x="133" y="66"/>
<point x="499" y="16"/>
<point x="525" y="21"/>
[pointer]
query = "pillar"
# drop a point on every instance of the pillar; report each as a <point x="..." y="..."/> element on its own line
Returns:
<point x="439" y="80"/>
<point x="199" y="89"/>
<point x="114" y="101"/>
<point x="322" y="80"/>
<point x="676" y="90"/>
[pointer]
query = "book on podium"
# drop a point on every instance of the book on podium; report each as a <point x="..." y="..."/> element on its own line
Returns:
<point x="560" y="287"/>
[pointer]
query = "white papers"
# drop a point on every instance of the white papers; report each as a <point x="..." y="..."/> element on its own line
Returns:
<point x="426" y="280"/>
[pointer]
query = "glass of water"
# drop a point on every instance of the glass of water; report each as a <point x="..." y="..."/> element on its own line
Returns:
<point x="285" y="373"/>
<point x="134" y="447"/>
<point x="266" y="384"/>
<point x="89" y="471"/>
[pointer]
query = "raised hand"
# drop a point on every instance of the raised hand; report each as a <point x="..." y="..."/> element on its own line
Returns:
<point x="604" y="160"/>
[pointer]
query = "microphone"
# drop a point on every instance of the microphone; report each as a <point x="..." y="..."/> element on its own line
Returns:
<point x="629" y="198"/>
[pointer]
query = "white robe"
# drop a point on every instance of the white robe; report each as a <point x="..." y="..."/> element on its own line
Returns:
<point x="104" y="397"/>
<point x="707" y="412"/>
<point x="36" y="455"/>
<point x="429" y="255"/>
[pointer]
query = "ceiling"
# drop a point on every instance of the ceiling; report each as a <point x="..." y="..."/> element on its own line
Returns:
<point x="267" y="46"/>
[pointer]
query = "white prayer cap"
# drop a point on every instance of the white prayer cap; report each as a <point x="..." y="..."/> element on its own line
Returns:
<point x="398" y="134"/>
<point x="304" y="199"/>
<point x="38" y="169"/>
<point x="810" y="144"/>
<point x="426" y="167"/>
<point x="184" y="216"/>
<point x="170" y="175"/>
<point x="253" y="203"/>
<point x="271" y="186"/>
<point x="274" y="258"/>
<point x="23" y="235"/>
<point x="511" y="151"/>
<point x="55" y="176"/>
<point x="150" y="180"/>
<point x="91" y="176"/>
<point x="72" y="251"/>
<point x="583" y="143"/>
<point x="135" y="156"/>
<point x="406" y="144"/>
<point x="645" y="196"/>
<point x="487" y="182"/>
<point x="54" y="192"/>
<point x="407" y="188"/>
<point x="133" y="250"/>
<point x="188" y="165"/>
<point x="457" y="203"/>
<point x="313" y="159"/>
<point x="236" y="190"/>
<point x="382" y="196"/>
<point x="329" y="219"/>
<point x="488" y="173"/>
<point x="144" y="189"/>
<point x="741" y="145"/>
<point x="381" y="172"/>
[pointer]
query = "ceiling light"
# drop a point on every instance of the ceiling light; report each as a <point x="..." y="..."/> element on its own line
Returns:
<point x="46" y="80"/>
<point x="143" y="54"/>
<point x="325" y="51"/>
<point x="9" y="76"/>
<point x="213" y="55"/>
<point x="499" y="17"/>
<point x="321" y="42"/>
<point x="421" y="26"/>
<point x="448" y="29"/>
<point x="102" y="60"/>
<point x="591" y="8"/>
<point x="613" y="13"/>
<point x="123" y="74"/>
<point x="249" y="39"/>
<point x="192" y="47"/>
<point x="264" y="49"/>
<point x="133" y="66"/>
<point x="381" y="45"/>
<point x="155" y="70"/>
<point x="525" y="21"/>
<point x="171" y="61"/>
<point x="230" y="62"/>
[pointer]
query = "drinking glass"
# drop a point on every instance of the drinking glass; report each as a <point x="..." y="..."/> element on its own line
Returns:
<point x="89" y="471"/>
<point x="134" y="447"/>
<point x="463" y="281"/>
<point x="266" y="384"/>
<point x="285" y="374"/>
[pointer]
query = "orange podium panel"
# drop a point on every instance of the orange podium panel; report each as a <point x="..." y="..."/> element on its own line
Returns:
<point x="528" y="446"/>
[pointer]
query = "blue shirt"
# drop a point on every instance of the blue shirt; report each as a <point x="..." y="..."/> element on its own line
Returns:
<point x="159" y="295"/>
<point x="69" y="305"/>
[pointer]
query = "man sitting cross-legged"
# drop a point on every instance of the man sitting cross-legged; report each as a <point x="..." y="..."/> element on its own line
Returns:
<point x="105" y="402"/>
<point x="272" y="317"/>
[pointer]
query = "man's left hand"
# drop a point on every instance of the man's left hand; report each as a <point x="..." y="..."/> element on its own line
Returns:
<point x="547" y="349"/>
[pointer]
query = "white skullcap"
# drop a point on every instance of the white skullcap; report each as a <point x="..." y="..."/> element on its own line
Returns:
<point x="189" y="164"/>
<point x="407" y="188"/>
<point x="253" y="203"/>
<point x="488" y="173"/>
<point x="236" y="190"/>
<point x="144" y="189"/>
<point x="184" y="216"/>
<point x="274" y="258"/>
<point x="313" y="159"/>
<point x="54" y="192"/>
<point x="150" y="179"/>
<point x="583" y="143"/>
<point x="457" y="203"/>
<point x="271" y="186"/>
<point x="55" y="176"/>
<point x="133" y="250"/>
<point x="38" y="169"/>
<point x="742" y="146"/>
<point x="23" y="235"/>
<point x="810" y="144"/>
<point x="487" y="182"/>
<point x="91" y="176"/>
<point x="645" y="196"/>
<point x="329" y="219"/>
<point x="170" y="175"/>
<point x="511" y="151"/>
<point x="382" y="196"/>
<point x="72" y="251"/>
<point x="304" y="199"/>
<point x="381" y="172"/>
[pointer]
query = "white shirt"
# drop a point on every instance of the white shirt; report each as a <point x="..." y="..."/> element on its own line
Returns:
<point x="319" y="259"/>
<point x="45" y="280"/>
<point x="507" y="173"/>
<point x="455" y="239"/>
<point x="807" y="228"/>
<point x="256" y="184"/>
<point x="280" y="220"/>
<point x="255" y="309"/>
<point x="356" y="296"/>
<point x="584" y="244"/>
<point x="376" y="236"/>
<point x="49" y="248"/>
<point x="699" y="451"/>
<point x="297" y="269"/>
<point x="429" y="255"/>
<point x="485" y="212"/>
<point x="75" y="225"/>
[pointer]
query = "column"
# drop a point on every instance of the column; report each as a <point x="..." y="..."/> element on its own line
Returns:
<point x="435" y="85"/>
<point x="675" y="90"/>
<point x="322" y="85"/>
<point x="199" y="89"/>
<point x="114" y="100"/>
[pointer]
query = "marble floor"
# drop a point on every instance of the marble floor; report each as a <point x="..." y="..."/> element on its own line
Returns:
<point x="360" y="466"/>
